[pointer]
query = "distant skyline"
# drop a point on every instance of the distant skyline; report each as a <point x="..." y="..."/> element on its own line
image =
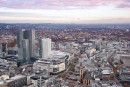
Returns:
<point x="65" y="11"/>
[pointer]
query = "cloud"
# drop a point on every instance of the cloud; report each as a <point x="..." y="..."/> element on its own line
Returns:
<point x="124" y="5"/>
<point x="16" y="14"/>
<point x="61" y="4"/>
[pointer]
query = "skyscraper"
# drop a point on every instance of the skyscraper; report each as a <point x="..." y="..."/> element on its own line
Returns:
<point x="26" y="56"/>
<point x="20" y="38"/>
<point x="19" y="43"/>
<point x="32" y="43"/>
<point x="30" y="35"/>
<point x="26" y="38"/>
<point x="45" y="47"/>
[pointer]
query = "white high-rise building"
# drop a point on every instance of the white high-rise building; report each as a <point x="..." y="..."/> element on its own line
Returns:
<point x="45" y="47"/>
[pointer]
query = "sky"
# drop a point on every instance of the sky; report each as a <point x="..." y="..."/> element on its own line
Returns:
<point x="65" y="11"/>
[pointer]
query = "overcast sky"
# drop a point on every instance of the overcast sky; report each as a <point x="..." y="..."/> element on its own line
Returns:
<point x="65" y="11"/>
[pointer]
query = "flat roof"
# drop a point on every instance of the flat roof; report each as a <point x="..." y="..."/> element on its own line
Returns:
<point x="57" y="55"/>
<point x="15" y="78"/>
<point x="125" y="60"/>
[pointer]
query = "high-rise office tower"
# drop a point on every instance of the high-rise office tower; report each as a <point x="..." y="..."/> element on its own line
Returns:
<point x="45" y="47"/>
<point x="26" y="56"/>
<point x="30" y="35"/>
<point x="32" y="43"/>
<point x="22" y="38"/>
<point x="4" y="47"/>
<point x="19" y="43"/>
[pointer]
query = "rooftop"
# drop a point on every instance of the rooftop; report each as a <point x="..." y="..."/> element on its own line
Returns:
<point x="125" y="60"/>
<point x="57" y="54"/>
<point x="15" y="78"/>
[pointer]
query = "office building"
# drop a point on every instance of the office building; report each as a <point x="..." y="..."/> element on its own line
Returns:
<point x="4" y="49"/>
<point x="26" y="56"/>
<point x="32" y="43"/>
<point x="39" y="80"/>
<point x="30" y="35"/>
<point x="45" y="47"/>
<point x="16" y="81"/>
<point x="26" y="42"/>
<point x="55" y="63"/>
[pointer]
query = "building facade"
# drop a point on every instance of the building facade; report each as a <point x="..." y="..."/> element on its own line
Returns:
<point x="45" y="47"/>
<point x="26" y="43"/>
